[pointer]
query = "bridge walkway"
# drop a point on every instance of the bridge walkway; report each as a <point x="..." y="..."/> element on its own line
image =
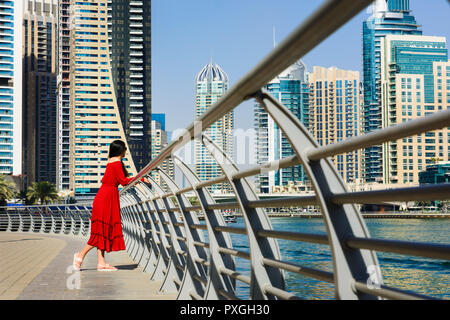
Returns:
<point x="39" y="267"/>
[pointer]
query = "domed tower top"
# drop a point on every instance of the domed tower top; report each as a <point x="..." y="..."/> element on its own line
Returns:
<point x="296" y="71"/>
<point x="212" y="72"/>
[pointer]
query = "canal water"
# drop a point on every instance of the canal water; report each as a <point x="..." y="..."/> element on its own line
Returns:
<point x="422" y="275"/>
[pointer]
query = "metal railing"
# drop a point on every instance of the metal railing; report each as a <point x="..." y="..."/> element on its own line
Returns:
<point x="55" y="218"/>
<point x="197" y="260"/>
<point x="165" y="236"/>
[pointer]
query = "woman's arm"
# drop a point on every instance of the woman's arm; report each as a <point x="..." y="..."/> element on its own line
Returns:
<point x="121" y="176"/>
<point x="125" y="180"/>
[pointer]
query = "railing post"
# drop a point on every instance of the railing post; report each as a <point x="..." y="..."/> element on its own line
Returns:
<point x="143" y="256"/>
<point x="151" y="237"/>
<point x="4" y="219"/>
<point x="217" y="281"/>
<point x="85" y="221"/>
<point x="128" y="222"/>
<point x="163" y="262"/>
<point x="76" y="220"/>
<point x="255" y="220"/>
<point x="66" y="227"/>
<point x="177" y="266"/>
<point x="138" y="239"/>
<point x="195" y="270"/>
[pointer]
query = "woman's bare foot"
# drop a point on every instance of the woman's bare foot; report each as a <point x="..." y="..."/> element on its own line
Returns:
<point x="105" y="267"/>
<point x="77" y="261"/>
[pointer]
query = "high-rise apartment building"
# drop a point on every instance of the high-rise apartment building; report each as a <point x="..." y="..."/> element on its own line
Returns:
<point x="211" y="84"/>
<point x="159" y="142"/>
<point x="11" y="147"/>
<point x="129" y="30"/>
<point x="389" y="17"/>
<point x="65" y="14"/>
<point x="95" y="120"/>
<point x="292" y="90"/>
<point x="39" y="103"/>
<point x="415" y="82"/>
<point x="335" y="114"/>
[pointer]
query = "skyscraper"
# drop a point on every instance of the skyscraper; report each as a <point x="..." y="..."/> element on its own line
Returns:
<point x="389" y="17"/>
<point x="415" y="82"/>
<point x="335" y="114"/>
<point x="212" y="83"/>
<point x="11" y="147"/>
<point x="95" y="120"/>
<point x="40" y="106"/>
<point x="63" y="83"/>
<point x="292" y="90"/>
<point x="129" y="31"/>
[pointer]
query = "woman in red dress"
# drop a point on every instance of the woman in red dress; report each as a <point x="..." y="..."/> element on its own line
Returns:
<point x="106" y="225"/>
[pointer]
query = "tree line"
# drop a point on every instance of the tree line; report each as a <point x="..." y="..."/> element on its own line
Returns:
<point x="42" y="192"/>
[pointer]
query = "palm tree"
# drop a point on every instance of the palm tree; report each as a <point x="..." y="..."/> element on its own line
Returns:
<point x="43" y="191"/>
<point x="7" y="190"/>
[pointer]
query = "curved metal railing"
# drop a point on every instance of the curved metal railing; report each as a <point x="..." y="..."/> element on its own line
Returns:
<point x="55" y="218"/>
<point x="198" y="260"/>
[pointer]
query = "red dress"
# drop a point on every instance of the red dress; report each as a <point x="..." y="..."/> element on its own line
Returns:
<point x="106" y="225"/>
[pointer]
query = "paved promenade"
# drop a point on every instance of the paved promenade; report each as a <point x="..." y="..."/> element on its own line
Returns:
<point x="39" y="267"/>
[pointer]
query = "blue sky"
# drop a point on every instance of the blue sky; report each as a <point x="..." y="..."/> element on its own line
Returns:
<point x="238" y="34"/>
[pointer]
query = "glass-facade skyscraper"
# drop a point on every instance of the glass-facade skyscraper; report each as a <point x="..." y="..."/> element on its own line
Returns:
<point x="415" y="82"/>
<point x="389" y="17"/>
<point x="292" y="90"/>
<point x="211" y="83"/>
<point x="63" y="98"/>
<point x="11" y="147"/>
<point x="40" y="105"/>
<point x="95" y="120"/>
<point x="129" y="31"/>
<point x="335" y="114"/>
<point x="128" y="28"/>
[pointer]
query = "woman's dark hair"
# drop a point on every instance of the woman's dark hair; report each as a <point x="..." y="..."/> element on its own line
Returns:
<point x="117" y="148"/>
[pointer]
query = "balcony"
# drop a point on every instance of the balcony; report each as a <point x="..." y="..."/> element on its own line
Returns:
<point x="136" y="17"/>
<point x="136" y="10"/>
<point x="136" y="53"/>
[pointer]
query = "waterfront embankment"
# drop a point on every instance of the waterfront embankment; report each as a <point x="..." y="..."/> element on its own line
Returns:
<point x="375" y="215"/>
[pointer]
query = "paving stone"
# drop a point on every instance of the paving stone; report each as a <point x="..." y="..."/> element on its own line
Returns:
<point x="39" y="267"/>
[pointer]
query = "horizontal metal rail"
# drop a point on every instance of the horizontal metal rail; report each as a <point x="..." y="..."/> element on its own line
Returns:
<point x="431" y="122"/>
<point x="280" y="293"/>
<point x="296" y="236"/>
<point x="421" y="193"/>
<point x="322" y="23"/>
<point x="309" y="272"/>
<point x="428" y="250"/>
<point x="282" y="163"/>
<point x="389" y="293"/>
